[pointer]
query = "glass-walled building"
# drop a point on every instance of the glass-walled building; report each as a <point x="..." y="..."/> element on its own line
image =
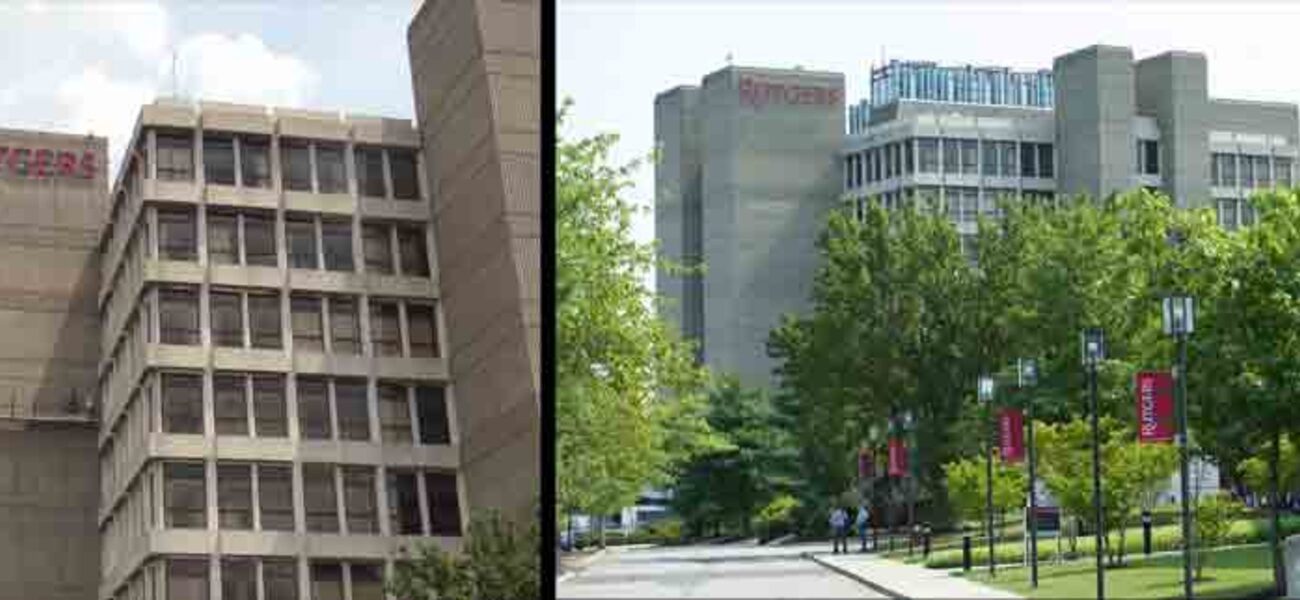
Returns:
<point x="921" y="81"/>
<point x="277" y="420"/>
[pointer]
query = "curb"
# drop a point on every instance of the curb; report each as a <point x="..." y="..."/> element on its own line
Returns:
<point x="578" y="568"/>
<point x="880" y="589"/>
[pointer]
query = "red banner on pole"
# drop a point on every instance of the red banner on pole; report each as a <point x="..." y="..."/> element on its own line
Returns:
<point x="1155" y="407"/>
<point x="866" y="464"/>
<point x="897" y="458"/>
<point x="1011" y="429"/>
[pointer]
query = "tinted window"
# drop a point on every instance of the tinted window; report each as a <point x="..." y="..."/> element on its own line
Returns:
<point x="185" y="495"/>
<point x="301" y="234"/>
<point x="223" y="239"/>
<point x="175" y="156"/>
<point x="275" y="496"/>
<point x="219" y="159"/>
<point x="255" y="161"/>
<point x="367" y="581"/>
<point x="326" y="581"/>
<point x="359" y="499"/>
<point x="238" y="579"/>
<point x="307" y="328"/>
<point x="318" y="496"/>
<point x="377" y="249"/>
<point x="336" y="239"/>
<point x="269" y="414"/>
<point x="423" y="332"/>
<point x="313" y="409"/>
<point x="352" y="409"/>
<point x="264" y="314"/>
<point x="227" y="319"/>
<point x="259" y="239"/>
<point x="280" y="578"/>
<point x="330" y="170"/>
<point x="394" y="414"/>
<point x="403" y="503"/>
<point x="178" y="316"/>
<point x="370" y="172"/>
<point x="385" y="334"/>
<point x="444" y="504"/>
<point x="182" y="403"/>
<point x="415" y="255"/>
<point x="345" y="326"/>
<point x="177" y="234"/>
<point x="295" y="162"/>
<point x="230" y="407"/>
<point x="401" y="163"/>
<point x="432" y="407"/>
<point x="187" y="578"/>
<point x="234" y="497"/>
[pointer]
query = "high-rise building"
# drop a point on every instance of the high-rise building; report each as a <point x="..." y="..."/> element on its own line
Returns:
<point x="475" y="70"/>
<point x="276" y="408"/>
<point x="747" y="171"/>
<point x="51" y="206"/>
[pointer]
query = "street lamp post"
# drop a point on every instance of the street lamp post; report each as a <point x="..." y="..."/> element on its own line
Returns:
<point x="1094" y="351"/>
<point x="909" y="481"/>
<point x="986" y="398"/>
<point x="1179" y="321"/>
<point x="1028" y="378"/>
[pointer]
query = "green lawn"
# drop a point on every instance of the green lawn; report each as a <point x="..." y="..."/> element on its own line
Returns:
<point x="1233" y="573"/>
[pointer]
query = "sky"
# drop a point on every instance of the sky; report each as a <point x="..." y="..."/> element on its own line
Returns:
<point x="86" y="66"/>
<point x="613" y="56"/>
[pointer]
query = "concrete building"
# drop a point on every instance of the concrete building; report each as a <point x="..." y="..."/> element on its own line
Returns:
<point x="51" y="205"/>
<point x="277" y="414"/>
<point x="475" y="71"/>
<point x="748" y="169"/>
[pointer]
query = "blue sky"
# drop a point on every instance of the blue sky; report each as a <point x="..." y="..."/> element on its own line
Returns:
<point x="81" y="66"/>
<point x="613" y="56"/>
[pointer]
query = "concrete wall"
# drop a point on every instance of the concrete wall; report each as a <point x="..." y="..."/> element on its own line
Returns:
<point x="677" y="207"/>
<point x="1241" y="116"/>
<point x="1094" y="102"/>
<point x="1172" y="88"/>
<point x="770" y="175"/>
<point x="475" y="71"/>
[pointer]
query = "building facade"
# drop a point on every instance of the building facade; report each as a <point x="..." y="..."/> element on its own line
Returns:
<point x="475" y="72"/>
<point x="51" y="205"/>
<point x="277" y="419"/>
<point x="747" y="170"/>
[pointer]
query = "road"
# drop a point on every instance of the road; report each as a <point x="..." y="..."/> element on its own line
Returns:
<point x="711" y="572"/>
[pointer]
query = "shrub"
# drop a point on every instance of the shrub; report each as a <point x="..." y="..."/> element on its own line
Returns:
<point x="777" y="518"/>
<point x="1214" y="518"/>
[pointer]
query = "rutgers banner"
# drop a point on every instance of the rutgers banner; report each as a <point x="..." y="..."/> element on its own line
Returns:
<point x="1011" y="435"/>
<point x="866" y="464"/>
<point x="897" y="458"/>
<point x="1155" y="407"/>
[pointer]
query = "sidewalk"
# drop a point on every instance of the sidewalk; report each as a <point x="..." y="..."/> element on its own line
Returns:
<point x="899" y="580"/>
<point x="572" y="563"/>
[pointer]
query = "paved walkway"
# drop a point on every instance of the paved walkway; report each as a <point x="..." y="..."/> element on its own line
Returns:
<point x="899" y="580"/>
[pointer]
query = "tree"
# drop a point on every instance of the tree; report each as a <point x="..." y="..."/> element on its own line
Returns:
<point x="1255" y="471"/>
<point x="629" y="403"/>
<point x="966" y="481"/>
<point x="497" y="562"/>
<point x="1214" y="516"/>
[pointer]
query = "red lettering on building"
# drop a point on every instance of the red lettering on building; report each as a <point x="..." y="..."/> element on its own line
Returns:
<point x="757" y="94"/>
<point x="43" y="163"/>
<point x="88" y="165"/>
<point x="67" y="164"/>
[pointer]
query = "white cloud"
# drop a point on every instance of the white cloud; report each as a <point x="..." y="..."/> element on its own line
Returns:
<point x="240" y="69"/>
<point x="92" y="101"/>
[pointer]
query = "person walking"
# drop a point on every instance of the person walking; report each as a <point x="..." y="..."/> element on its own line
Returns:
<point x="863" y="522"/>
<point x="839" y="520"/>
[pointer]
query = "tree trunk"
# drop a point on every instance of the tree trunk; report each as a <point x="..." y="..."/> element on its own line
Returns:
<point x="1274" y="456"/>
<point x="600" y="526"/>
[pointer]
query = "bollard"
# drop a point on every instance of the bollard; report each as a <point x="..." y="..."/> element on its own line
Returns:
<point x="1146" y="532"/>
<point x="965" y="552"/>
<point x="925" y="541"/>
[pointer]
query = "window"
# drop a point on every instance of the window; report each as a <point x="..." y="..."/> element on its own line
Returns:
<point x="234" y="496"/>
<point x="352" y="409"/>
<point x="1227" y="209"/>
<point x="394" y="414"/>
<point x="927" y="151"/>
<point x="319" y="499"/>
<point x="295" y="159"/>
<point x="275" y="496"/>
<point x="422" y="330"/>
<point x="345" y="326"/>
<point x="308" y="332"/>
<point x="370" y="172"/>
<point x="1148" y="155"/>
<point x="1008" y="158"/>
<point x="359" y="499"/>
<point x="177" y="234"/>
<point x="951" y="156"/>
<point x="367" y="581"/>
<point x="336" y="239"/>
<point x="1248" y="173"/>
<point x="415" y="256"/>
<point x="178" y="316"/>
<point x="1247" y="213"/>
<point x="313" y="409"/>
<point x="227" y="319"/>
<point x="259" y="239"/>
<point x="1282" y="169"/>
<point x="326" y="581"/>
<point x="385" y="334"/>
<point x="238" y="579"/>
<point x="331" y="175"/>
<point x="377" y="249"/>
<point x="230" y="407"/>
<point x="1046" y="168"/>
<point x="269" y="414"/>
<point x="1262" y="177"/>
<point x="175" y="156"/>
<point x="848" y="171"/>
<point x="223" y="239"/>
<point x="301" y="234"/>
<point x="1027" y="156"/>
<point x="185" y="495"/>
<point x="431" y="403"/>
<point x="187" y="578"/>
<point x="1219" y="168"/>
<point x="970" y="157"/>
<point x="990" y="166"/>
<point x="907" y="156"/>
<point x="255" y="161"/>
<point x="280" y="578"/>
<point x="182" y="403"/>
<point x="406" y="184"/>
<point x="264" y="315"/>
<point x="219" y="159"/>
<point x="444" y="506"/>
<point x="403" y="503"/>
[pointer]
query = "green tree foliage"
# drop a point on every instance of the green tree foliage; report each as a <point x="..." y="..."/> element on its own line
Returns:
<point x="1214" y="516"/>
<point x="497" y="561"/>
<point x="1254" y="471"/>
<point x="966" y="482"/>
<point x="629" y="401"/>
<point x="777" y="517"/>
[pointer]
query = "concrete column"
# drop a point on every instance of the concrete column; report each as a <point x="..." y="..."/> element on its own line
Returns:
<point x="403" y="328"/>
<point x="420" y="491"/>
<point x="333" y="408"/>
<point x="340" y="507"/>
<point x="381" y="495"/>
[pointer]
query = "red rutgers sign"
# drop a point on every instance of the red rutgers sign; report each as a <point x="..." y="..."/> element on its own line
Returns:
<point x="1011" y="427"/>
<point x="1155" y="404"/>
<point x="758" y="94"/>
<point x="897" y="458"/>
<point x="44" y="163"/>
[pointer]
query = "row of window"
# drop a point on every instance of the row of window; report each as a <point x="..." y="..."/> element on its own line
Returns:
<point x="962" y="204"/>
<point x="251" y="319"/>
<point x="1249" y="171"/>
<point x="185" y="498"/>
<point x="328" y="408"/>
<point x="244" y="160"/>
<point x="949" y="156"/>
<point x="187" y="578"/>
<point x="312" y="241"/>
<point x="1234" y="212"/>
